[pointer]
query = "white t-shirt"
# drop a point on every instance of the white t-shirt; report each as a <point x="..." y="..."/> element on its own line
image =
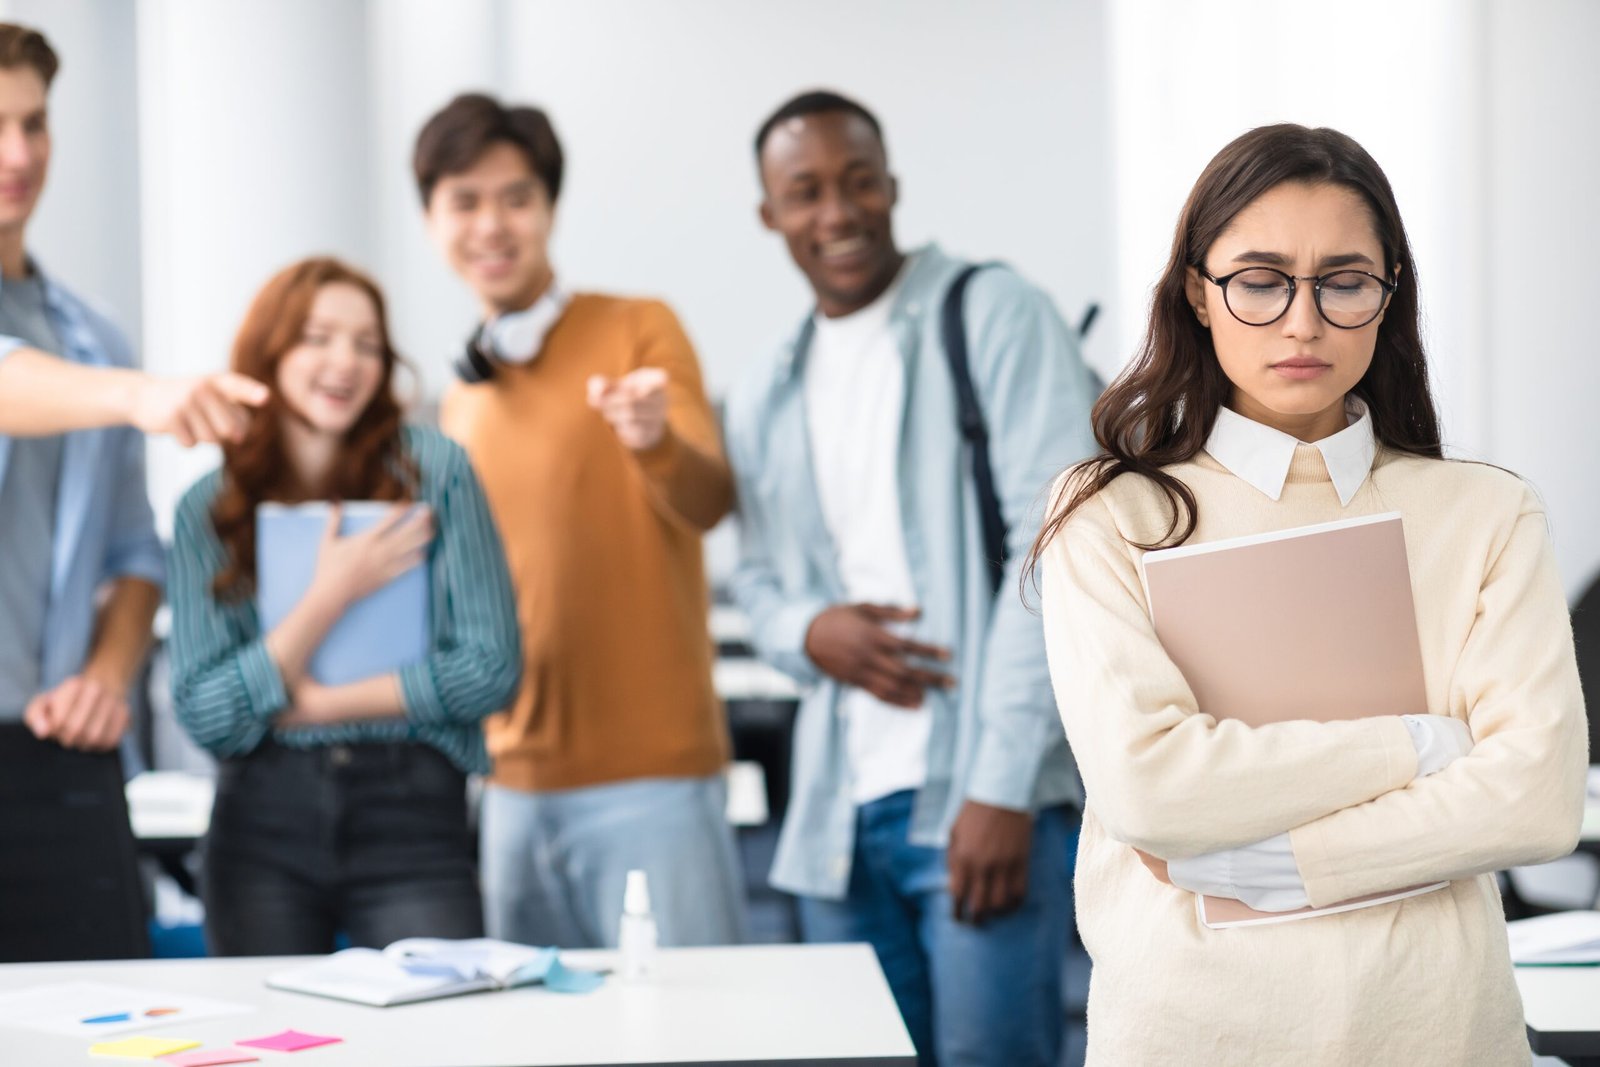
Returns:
<point x="855" y="397"/>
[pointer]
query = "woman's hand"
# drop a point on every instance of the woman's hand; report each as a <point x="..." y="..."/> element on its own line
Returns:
<point x="315" y="704"/>
<point x="349" y="568"/>
<point x="308" y="706"/>
<point x="1157" y="867"/>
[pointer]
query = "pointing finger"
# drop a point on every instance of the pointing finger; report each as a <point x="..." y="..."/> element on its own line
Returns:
<point x="241" y="389"/>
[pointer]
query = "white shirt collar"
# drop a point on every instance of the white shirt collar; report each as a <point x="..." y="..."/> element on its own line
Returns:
<point x="1261" y="455"/>
<point x="870" y="319"/>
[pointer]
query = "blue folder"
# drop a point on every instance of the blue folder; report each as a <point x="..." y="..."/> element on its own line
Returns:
<point x="378" y="634"/>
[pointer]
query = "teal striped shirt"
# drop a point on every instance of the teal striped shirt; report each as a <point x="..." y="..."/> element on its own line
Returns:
<point x="226" y="689"/>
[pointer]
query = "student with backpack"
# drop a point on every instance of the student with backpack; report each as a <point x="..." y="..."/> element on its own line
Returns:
<point x="888" y="488"/>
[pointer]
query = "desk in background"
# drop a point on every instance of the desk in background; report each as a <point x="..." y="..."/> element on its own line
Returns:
<point x="822" y="1005"/>
<point x="1562" y="1009"/>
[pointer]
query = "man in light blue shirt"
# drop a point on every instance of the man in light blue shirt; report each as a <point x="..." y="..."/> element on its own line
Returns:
<point x="80" y="565"/>
<point x="934" y="799"/>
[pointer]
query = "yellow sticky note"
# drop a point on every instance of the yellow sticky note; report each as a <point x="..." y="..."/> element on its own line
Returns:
<point x="142" y="1048"/>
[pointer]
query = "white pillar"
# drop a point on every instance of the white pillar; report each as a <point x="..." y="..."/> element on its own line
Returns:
<point x="254" y="130"/>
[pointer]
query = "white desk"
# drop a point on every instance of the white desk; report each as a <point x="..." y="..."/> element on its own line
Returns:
<point x="1562" y="1009"/>
<point x="747" y="678"/>
<point x="171" y="810"/>
<point x="778" y="1004"/>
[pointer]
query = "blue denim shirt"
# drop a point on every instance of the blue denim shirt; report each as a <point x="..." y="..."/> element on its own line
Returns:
<point x="996" y="737"/>
<point x="104" y="528"/>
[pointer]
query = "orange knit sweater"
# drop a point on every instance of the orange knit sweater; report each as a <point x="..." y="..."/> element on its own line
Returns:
<point x="604" y="549"/>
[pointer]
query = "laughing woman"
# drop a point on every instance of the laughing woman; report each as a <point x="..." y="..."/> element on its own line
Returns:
<point x="1282" y="383"/>
<point x="338" y="808"/>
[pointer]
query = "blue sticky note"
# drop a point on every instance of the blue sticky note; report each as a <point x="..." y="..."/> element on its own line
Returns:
<point x="559" y="979"/>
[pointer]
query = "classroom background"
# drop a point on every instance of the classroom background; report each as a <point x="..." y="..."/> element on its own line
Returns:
<point x="200" y="146"/>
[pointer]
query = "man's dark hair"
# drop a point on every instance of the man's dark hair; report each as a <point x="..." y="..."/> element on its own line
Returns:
<point x="816" y="102"/>
<point x="468" y="126"/>
<point x="21" y="47"/>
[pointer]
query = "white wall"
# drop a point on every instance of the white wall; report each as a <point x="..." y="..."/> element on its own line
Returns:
<point x="992" y="113"/>
<point x="201" y="145"/>
<point x="1543" y="236"/>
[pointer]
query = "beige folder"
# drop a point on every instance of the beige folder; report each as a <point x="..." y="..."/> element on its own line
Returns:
<point x="1314" y="622"/>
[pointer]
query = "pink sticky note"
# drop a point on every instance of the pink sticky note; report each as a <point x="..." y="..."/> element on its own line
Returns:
<point x="289" y="1041"/>
<point x="211" y="1057"/>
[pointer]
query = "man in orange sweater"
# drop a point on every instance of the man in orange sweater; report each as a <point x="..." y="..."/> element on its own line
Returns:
<point x="588" y="423"/>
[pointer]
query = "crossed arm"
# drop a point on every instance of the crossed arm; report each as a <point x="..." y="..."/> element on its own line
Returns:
<point x="1176" y="783"/>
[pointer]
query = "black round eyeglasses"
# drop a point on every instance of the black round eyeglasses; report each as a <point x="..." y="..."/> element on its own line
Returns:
<point x="1260" y="296"/>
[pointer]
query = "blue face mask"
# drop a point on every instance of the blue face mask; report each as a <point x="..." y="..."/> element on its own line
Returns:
<point x="516" y="337"/>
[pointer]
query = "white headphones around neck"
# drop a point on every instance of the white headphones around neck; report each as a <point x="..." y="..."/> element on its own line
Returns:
<point x="515" y="337"/>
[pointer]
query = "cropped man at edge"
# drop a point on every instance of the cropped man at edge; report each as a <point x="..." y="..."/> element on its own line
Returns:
<point x="80" y="565"/>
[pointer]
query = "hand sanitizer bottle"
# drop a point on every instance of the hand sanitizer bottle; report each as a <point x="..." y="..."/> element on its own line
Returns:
<point x="637" y="938"/>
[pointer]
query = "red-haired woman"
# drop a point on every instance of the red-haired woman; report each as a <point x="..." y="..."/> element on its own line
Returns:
<point x="338" y="808"/>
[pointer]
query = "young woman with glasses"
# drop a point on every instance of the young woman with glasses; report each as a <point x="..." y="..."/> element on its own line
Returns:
<point x="1282" y="383"/>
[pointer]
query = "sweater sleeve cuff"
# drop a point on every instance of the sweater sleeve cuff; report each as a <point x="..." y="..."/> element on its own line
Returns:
<point x="263" y="682"/>
<point x="1315" y="855"/>
<point x="660" y="460"/>
<point x="421" y="695"/>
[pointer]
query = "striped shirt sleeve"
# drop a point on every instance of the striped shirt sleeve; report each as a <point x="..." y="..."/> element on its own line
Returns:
<point x="225" y="687"/>
<point x="475" y="663"/>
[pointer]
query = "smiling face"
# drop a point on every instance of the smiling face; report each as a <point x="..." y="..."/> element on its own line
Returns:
<point x="492" y="221"/>
<point x="24" y="145"/>
<point x="330" y="377"/>
<point x="1292" y="374"/>
<point x="829" y="192"/>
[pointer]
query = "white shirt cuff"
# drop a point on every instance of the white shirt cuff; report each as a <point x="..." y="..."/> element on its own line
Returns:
<point x="1439" y="741"/>
<point x="1263" y="875"/>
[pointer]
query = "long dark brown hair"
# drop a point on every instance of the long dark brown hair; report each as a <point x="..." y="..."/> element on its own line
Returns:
<point x="372" y="465"/>
<point x="1160" y="409"/>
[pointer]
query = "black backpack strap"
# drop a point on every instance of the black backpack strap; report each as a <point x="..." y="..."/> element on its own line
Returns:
<point x="953" y="331"/>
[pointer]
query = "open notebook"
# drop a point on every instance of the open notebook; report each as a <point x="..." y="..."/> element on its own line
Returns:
<point x="426" y="968"/>
<point x="1314" y="622"/>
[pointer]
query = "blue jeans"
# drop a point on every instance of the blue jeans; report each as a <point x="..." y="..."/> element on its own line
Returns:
<point x="555" y="863"/>
<point x="970" y="995"/>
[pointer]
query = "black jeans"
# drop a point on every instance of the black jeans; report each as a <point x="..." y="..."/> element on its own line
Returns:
<point x="368" y="839"/>
<point x="69" y="876"/>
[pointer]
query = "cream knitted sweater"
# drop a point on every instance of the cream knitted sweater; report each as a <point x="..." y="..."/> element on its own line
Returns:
<point x="1426" y="980"/>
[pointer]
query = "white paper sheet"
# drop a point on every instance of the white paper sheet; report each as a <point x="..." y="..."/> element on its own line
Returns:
<point x="64" y="1007"/>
